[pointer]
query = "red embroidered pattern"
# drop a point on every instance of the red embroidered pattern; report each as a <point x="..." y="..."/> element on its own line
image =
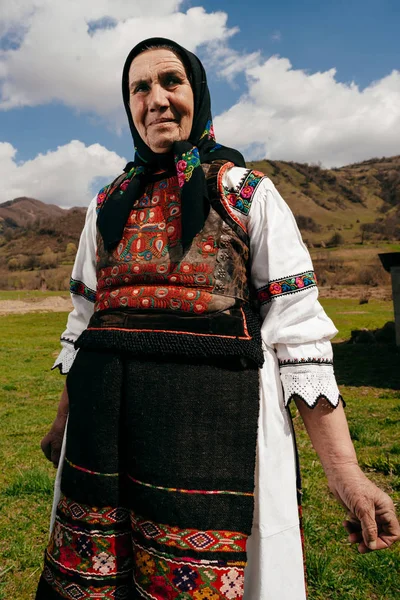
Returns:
<point x="161" y="577"/>
<point x="143" y="274"/>
<point x="90" y="553"/>
<point x="68" y="589"/>
<point x="147" y="297"/>
<point x="186" y="164"/>
<point x="240" y="199"/>
<point x="201" y="541"/>
<point x="80" y="557"/>
<point x="92" y="515"/>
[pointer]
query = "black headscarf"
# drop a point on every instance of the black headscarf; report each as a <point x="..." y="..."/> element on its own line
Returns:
<point x="185" y="157"/>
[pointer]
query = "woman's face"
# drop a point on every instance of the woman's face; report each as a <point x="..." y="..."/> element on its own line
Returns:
<point x="161" y="99"/>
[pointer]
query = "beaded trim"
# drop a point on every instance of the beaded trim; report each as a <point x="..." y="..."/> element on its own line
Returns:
<point x="293" y="362"/>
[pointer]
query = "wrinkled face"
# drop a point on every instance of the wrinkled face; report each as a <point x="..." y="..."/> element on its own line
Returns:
<point x="160" y="99"/>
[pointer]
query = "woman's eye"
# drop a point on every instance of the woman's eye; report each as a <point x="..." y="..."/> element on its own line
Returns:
<point x="141" y="87"/>
<point x="172" y="80"/>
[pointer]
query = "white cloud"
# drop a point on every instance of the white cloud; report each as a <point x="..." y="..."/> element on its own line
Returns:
<point x="229" y="63"/>
<point x="64" y="176"/>
<point x="294" y="115"/>
<point x="73" y="52"/>
<point x="65" y="56"/>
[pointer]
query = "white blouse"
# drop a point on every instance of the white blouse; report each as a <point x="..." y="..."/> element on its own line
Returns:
<point x="295" y="325"/>
<point x="296" y="335"/>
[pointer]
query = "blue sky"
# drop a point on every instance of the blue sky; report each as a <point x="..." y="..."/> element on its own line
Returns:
<point x="309" y="81"/>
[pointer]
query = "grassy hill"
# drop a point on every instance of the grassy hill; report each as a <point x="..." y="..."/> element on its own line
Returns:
<point x="350" y="201"/>
<point x="347" y="216"/>
<point x="38" y="243"/>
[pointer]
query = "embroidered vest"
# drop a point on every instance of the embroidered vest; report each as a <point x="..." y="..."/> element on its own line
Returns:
<point x="146" y="287"/>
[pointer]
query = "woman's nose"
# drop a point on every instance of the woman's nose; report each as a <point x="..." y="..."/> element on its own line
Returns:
<point x="158" y="98"/>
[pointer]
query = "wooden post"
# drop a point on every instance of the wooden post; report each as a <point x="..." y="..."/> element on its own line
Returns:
<point x="395" y="273"/>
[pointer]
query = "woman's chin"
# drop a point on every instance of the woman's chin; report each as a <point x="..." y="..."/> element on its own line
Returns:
<point x="164" y="144"/>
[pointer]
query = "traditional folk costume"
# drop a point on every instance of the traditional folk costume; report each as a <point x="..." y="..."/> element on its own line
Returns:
<point x="195" y="321"/>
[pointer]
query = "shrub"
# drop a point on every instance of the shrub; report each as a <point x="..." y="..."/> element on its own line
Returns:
<point x="13" y="264"/>
<point x="369" y="276"/>
<point x="335" y="240"/>
<point x="70" y="250"/>
<point x="28" y="262"/>
<point x="48" y="260"/>
<point x="306" y="223"/>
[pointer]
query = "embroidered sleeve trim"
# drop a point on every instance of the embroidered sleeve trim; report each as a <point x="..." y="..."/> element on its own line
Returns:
<point x="64" y="360"/>
<point x="305" y="361"/>
<point x="67" y="340"/>
<point x="241" y="197"/>
<point x="80" y="289"/>
<point x="224" y="192"/>
<point x="287" y="285"/>
<point x="321" y="397"/>
<point x="310" y="382"/>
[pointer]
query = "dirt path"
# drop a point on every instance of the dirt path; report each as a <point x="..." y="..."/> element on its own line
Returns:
<point x="50" y="304"/>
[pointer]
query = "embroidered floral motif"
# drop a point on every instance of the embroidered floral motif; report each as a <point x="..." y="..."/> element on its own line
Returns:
<point x="209" y="132"/>
<point x="84" y="546"/>
<point x="78" y="547"/>
<point x="104" y="563"/>
<point x="58" y="535"/>
<point x="121" y="182"/>
<point x="155" y="297"/>
<point x="201" y="541"/>
<point x="288" y="285"/>
<point x="241" y="198"/>
<point x="80" y="552"/>
<point x="142" y="274"/>
<point x="186" y="164"/>
<point x="145" y="563"/>
<point x="206" y="593"/>
<point x="101" y="196"/>
<point x="66" y="589"/>
<point x="80" y="289"/>
<point x="89" y="552"/>
<point x="233" y="584"/>
<point x="198" y="579"/>
<point x="185" y="578"/>
<point x="207" y="246"/>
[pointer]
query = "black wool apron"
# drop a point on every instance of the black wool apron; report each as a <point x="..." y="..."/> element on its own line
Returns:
<point x="158" y="479"/>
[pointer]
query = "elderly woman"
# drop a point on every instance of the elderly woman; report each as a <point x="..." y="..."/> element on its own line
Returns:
<point x="196" y="321"/>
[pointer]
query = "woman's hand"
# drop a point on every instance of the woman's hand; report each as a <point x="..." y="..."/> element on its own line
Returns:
<point x="52" y="442"/>
<point x="372" y="521"/>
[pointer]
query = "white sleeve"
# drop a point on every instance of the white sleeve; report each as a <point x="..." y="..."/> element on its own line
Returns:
<point x="294" y="323"/>
<point x="83" y="291"/>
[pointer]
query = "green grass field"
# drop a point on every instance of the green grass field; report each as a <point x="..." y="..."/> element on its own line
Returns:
<point x="30" y="295"/>
<point x="369" y="378"/>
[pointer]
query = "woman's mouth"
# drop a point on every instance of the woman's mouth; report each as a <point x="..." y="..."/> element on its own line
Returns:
<point x="162" y="121"/>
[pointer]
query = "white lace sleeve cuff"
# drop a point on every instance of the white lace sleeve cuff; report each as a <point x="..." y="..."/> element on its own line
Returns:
<point x="65" y="359"/>
<point x="309" y="381"/>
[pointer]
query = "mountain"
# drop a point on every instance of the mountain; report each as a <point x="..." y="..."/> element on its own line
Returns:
<point x="348" y="204"/>
<point x="353" y="200"/>
<point x="29" y="226"/>
<point x="23" y="211"/>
